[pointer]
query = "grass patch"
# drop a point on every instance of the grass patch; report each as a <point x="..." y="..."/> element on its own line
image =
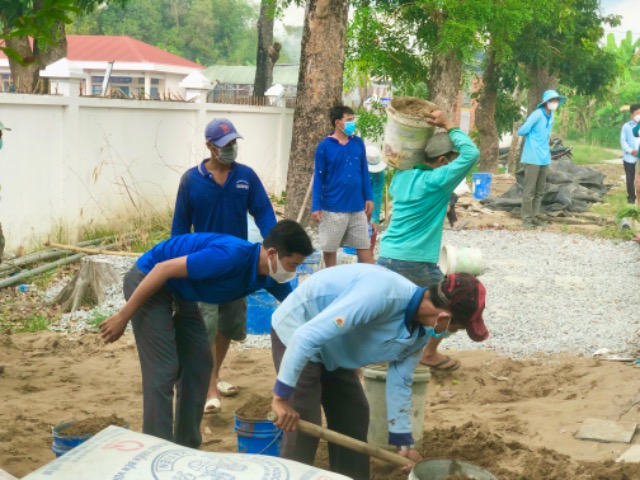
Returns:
<point x="612" y="205"/>
<point x="96" y="319"/>
<point x="588" y="154"/>
<point x="32" y="324"/>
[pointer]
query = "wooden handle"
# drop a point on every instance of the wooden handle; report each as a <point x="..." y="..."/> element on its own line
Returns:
<point x="92" y="251"/>
<point x="348" y="442"/>
<point x="306" y="199"/>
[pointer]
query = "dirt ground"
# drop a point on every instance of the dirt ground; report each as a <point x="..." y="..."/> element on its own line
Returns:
<point x="515" y="418"/>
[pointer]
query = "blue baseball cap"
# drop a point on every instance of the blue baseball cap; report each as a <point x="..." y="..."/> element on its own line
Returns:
<point x="220" y="132"/>
<point x="550" y="95"/>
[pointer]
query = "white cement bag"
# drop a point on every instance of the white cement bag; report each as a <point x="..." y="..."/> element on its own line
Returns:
<point x="462" y="188"/>
<point x="120" y="454"/>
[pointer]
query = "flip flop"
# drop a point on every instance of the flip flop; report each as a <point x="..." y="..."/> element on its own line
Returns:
<point x="213" y="405"/>
<point x="226" y="389"/>
<point x="438" y="366"/>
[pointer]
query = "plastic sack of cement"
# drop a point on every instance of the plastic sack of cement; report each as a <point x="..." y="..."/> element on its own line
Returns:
<point x="120" y="454"/>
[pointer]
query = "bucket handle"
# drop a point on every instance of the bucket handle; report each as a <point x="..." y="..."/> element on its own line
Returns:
<point x="275" y="439"/>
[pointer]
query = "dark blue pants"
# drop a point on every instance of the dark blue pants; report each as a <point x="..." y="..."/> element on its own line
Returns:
<point x="174" y="357"/>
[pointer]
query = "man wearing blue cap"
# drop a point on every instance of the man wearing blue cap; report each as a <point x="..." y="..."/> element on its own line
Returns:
<point x="536" y="156"/>
<point x="214" y="197"/>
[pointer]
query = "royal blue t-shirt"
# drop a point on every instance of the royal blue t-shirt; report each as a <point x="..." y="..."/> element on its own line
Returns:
<point x="221" y="268"/>
<point x="211" y="208"/>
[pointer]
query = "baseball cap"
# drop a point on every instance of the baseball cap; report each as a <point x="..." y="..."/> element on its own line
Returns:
<point x="374" y="159"/>
<point x="439" y="144"/>
<point x="220" y="132"/>
<point x="2" y="127"/>
<point x="464" y="295"/>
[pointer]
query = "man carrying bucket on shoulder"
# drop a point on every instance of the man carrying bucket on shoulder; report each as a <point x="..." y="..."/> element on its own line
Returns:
<point x="162" y="290"/>
<point x="347" y="317"/>
<point x="421" y="196"/>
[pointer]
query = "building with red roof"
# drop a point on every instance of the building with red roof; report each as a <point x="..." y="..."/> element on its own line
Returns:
<point x="139" y="69"/>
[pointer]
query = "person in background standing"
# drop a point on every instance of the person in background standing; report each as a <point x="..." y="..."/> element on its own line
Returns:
<point x="376" y="177"/>
<point x="215" y="197"/>
<point x="629" y="144"/>
<point x="342" y="199"/>
<point x="536" y="156"/>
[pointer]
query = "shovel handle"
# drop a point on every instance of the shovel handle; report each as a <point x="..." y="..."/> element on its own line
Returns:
<point x="348" y="442"/>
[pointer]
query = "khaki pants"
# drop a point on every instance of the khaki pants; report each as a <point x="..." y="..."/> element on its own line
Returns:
<point x="535" y="180"/>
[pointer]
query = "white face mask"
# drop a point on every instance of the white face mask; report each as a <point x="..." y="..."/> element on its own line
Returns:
<point x="553" y="106"/>
<point x="636" y="118"/>
<point x="280" y="275"/>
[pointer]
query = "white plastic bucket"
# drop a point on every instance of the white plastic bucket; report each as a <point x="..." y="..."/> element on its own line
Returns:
<point x="375" y="388"/>
<point x="405" y="137"/>
<point x="461" y="260"/>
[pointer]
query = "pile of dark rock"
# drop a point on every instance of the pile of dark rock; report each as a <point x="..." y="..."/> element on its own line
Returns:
<point x="570" y="188"/>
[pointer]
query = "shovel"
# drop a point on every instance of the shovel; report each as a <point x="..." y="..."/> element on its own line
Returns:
<point x="348" y="442"/>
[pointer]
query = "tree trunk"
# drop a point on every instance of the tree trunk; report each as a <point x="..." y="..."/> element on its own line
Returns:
<point x="265" y="38"/>
<point x="89" y="287"/>
<point x="513" y="162"/>
<point x="541" y="79"/>
<point x="445" y="80"/>
<point x="48" y="53"/>
<point x="485" y="118"/>
<point x="23" y="75"/>
<point x="319" y="89"/>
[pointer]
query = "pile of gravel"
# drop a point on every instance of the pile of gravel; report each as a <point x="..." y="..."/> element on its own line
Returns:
<point x="546" y="293"/>
<point x="551" y="293"/>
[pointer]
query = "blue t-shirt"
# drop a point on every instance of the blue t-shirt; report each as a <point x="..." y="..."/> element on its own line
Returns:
<point x="220" y="268"/>
<point x="341" y="176"/>
<point x="212" y="208"/>
<point x="537" y="130"/>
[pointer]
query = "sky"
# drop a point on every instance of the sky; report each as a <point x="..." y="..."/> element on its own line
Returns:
<point x="630" y="12"/>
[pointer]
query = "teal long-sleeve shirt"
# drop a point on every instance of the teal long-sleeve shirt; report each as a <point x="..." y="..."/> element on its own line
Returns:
<point x="351" y="316"/>
<point x="420" y="199"/>
<point x="537" y="130"/>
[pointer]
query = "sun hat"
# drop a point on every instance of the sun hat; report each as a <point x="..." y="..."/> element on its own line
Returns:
<point x="220" y="132"/>
<point x="550" y="95"/>
<point x="374" y="159"/>
<point x="464" y="295"/>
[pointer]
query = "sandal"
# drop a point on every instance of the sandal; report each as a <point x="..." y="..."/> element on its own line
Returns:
<point x="439" y="368"/>
<point x="226" y="389"/>
<point x="213" y="405"/>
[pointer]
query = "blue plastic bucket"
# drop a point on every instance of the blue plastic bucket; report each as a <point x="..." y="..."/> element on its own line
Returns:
<point x="259" y="437"/>
<point x="260" y="307"/>
<point x="63" y="443"/>
<point x="481" y="185"/>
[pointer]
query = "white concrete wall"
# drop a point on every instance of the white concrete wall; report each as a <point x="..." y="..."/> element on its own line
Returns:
<point x="74" y="161"/>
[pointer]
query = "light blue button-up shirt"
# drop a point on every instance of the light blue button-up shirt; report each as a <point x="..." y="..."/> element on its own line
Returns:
<point x="537" y="130"/>
<point x="629" y="142"/>
<point x="350" y="316"/>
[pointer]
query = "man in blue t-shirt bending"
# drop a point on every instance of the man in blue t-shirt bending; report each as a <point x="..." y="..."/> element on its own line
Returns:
<point x="162" y="289"/>
<point x="342" y="199"/>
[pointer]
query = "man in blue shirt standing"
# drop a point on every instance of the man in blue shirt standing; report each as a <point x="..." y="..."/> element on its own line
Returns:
<point x="536" y="156"/>
<point x="347" y="317"/>
<point x="214" y="197"/>
<point x="629" y="144"/>
<point x="342" y="199"/>
<point x="162" y="289"/>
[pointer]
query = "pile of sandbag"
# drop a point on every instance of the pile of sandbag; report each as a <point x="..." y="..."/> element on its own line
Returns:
<point x="570" y="188"/>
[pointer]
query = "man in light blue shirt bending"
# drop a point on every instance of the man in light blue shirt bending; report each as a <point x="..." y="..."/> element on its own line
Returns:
<point x="536" y="156"/>
<point x="344" y="318"/>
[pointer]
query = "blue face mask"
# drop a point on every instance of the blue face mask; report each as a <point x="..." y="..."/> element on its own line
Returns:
<point x="432" y="333"/>
<point x="349" y="127"/>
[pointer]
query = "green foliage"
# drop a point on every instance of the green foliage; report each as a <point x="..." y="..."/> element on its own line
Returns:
<point x="206" y="31"/>
<point x="588" y="154"/>
<point x="629" y="211"/>
<point x="96" y="319"/>
<point x="32" y="324"/>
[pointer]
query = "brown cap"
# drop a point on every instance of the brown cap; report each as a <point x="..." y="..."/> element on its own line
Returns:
<point x="464" y="295"/>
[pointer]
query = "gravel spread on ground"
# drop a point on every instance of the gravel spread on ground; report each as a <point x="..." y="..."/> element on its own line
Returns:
<point x="546" y="293"/>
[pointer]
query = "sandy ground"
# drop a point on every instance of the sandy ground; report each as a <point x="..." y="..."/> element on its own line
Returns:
<point x="517" y="419"/>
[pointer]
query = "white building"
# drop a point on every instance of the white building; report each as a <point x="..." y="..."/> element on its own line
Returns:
<point x="139" y="69"/>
